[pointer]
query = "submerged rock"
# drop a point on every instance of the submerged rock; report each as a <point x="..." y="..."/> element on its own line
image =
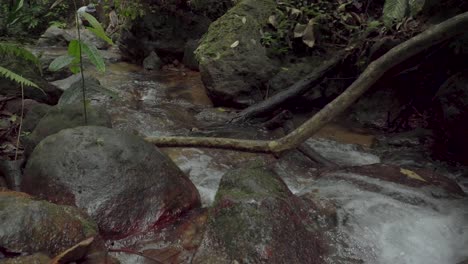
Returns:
<point x="30" y="225"/>
<point x="233" y="63"/>
<point x="256" y="219"/>
<point x="126" y="184"/>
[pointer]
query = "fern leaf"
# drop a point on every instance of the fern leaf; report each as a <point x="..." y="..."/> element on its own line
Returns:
<point x="96" y="28"/>
<point x="93" y="55"/>
<point x="14" y="49"/>
<point x="17" y="78"/>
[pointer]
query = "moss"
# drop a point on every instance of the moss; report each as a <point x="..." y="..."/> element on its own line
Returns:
<point x="231" y="27"/>
<point x="252" y="183"/>
<point x="240" y="226"/>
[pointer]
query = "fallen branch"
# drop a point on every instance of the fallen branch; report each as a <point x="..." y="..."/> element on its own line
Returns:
<point x="296" y="90"/>
<point x="370" y="76"/>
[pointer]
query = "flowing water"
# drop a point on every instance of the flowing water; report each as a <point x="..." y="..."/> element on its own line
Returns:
<point x="388" y="223"/>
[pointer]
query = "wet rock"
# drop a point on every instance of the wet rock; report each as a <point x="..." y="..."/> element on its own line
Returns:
<point x="34" y="115"/>
<point x="95" y="93"/>
<point x="30" y="225"/>
<point x="233" y="63"/>
<point x="256" y="219"/>
<point x="65" y="84"/>
<point x="125" y="184"/>
<point x="152" y="62"/>
<point x="411" y="177"/>
<point x="59" y="37"/>
<point x="49" y="93"/>
<point x="38" y="258"/>
<point x="62" y="117"/>
<point x="189" y="60"/>
<point x="54" y="36"/>
<point x="11" y="172"/>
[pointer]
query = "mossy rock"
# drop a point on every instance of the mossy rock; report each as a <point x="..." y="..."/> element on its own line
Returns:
<point x="30" y="225"/>
<point x="256" y="219"/>
<point x="233" y="63"/>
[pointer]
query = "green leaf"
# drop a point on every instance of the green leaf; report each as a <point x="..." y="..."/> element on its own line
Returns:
<point x="17" y="78"/>
<point x="74" y="48"/>
<point x="96" y="28"/>
<point x="14" y="49"/>
<point x="19" y="5"/>
<point x="61" y="62"/>
<point x="93" y="55"/>
<point x="74" y="51"/>
<point x="395" y="10"/>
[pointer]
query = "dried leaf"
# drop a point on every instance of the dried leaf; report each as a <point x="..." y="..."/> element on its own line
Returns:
<point x="309" y="36"/>
<point x="272" y="20"/>
<point x="295" y="11"/>
<point x="412" y="174"/>
<point x="299" y="30"/>
<point x="244" y="20"/>
<point x="235" y="44"/>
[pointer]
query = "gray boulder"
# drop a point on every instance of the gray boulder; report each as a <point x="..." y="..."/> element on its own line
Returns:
<point x="124" y="183"/>
<point x="233" y="63"/>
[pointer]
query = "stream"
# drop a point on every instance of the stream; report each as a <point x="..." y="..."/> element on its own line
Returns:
<point x="377" y="220"/>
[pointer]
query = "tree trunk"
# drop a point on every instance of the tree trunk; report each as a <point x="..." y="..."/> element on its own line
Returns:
<point x="370" y="76"/>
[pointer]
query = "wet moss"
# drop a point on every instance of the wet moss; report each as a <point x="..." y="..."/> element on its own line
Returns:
<point x="253" y="182"/>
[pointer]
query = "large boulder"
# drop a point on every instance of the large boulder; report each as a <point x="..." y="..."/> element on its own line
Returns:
<point x="233" y="63"/>
<point x="30" y="225"/>
<point x="48" y="92"/>
<point x="126" y="184"/>
<point x="62" y="117"/>
<point x="256" y="219"/>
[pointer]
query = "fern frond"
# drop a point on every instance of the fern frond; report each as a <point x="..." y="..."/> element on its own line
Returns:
<point x="14" y="49"/>
<point x="4" y="72"/>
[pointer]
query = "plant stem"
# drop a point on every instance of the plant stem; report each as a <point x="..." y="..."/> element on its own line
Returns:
<point x="21" y="122"/>
<point x="83" y="88"/>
